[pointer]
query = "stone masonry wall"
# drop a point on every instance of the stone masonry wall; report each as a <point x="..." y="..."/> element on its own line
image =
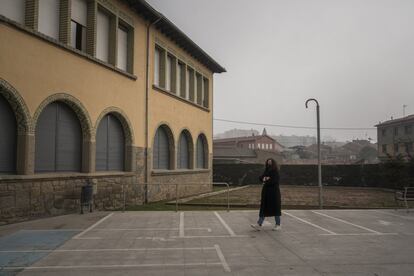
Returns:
<point x="23" y="199"/>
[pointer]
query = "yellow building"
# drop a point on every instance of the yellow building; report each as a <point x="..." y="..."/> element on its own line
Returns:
<point x="108" y="92"/>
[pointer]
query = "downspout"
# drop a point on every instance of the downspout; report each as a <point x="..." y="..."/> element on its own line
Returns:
<point x="147" y="165"/>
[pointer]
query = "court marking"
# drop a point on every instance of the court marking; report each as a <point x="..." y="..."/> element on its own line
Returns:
<point x="149" y="229"/>
<point x="394" y="215"/>
<point x="181" y="233"/>
<point x="347" y="222"/>
<point x="216" y="248"/>
<point x="361" y="234"/>
<point x="205" y="237"/>
<point x="107" y="250"/>
<point x="310" y="223"/>
<point x="107" y="266"/>
<point x="92" y="226"/>
<point x="226" y="266"/>
<point x="231" y="232"/>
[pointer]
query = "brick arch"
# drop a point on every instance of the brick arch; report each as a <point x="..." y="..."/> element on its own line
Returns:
<point x="75" y="105"/>
<point x="123" y="119"/>
<point x="19" y="107"/>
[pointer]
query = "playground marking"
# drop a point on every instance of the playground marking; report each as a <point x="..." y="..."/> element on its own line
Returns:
<point x="310" y="223"/>
<point x="222" y="259"/>
<point x="347" y="222"/>
<point x="225" y="225"/>
<point x="92" y="226"/>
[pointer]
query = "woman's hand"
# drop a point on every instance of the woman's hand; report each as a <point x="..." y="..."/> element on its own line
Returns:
<point x="266" y="178"/>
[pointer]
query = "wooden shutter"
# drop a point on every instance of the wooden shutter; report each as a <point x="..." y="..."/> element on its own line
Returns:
<point x="45" y="149"/>
<point x="58" y="140"/>
<point x="7" y="138"/>
<point x="110" y="145"/>
<point x="116" y="144"/>
<point x="183" y="160"/>
<point x="161" y="154"/>
<point x="200" y="153"/>
<point x="102" y="145"/>
<point x="68" y="140"/>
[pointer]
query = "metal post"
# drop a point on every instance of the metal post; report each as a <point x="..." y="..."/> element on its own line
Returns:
<point x="319" y="151"/>
<point x="176" y="197"/>
<point x="123" y="190"/>
<point x="228" y="197"/>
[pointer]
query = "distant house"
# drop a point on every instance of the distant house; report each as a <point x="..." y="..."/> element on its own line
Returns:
<point x="396" y="137"/>
<point x="261" y="142"/>
<point x="249" y="149"/>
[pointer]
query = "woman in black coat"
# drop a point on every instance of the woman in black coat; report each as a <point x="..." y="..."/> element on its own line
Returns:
<point x="270" y="204"/>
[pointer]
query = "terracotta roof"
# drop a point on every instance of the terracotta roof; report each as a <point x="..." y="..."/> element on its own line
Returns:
<point x="174" y="33"/>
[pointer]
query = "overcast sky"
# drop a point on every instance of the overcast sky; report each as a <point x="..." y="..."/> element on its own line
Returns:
<point x="355" y="56"/>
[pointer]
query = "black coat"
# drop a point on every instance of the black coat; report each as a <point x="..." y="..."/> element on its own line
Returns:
<point x="270" y="204"/>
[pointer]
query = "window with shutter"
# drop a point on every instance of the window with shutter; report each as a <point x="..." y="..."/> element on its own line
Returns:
<point x="13" y="9"/>
<point x="49" y="18"/>
<point x="183" y="152"/>
<point x="110" y="145"/>
<point x="161" y="150"/>
<point x="58" y="140"/>
<point x="201" y="153"/>
<point x="7" y="137"/>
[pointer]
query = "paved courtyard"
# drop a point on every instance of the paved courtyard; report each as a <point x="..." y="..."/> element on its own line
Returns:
<point x="312" y="242"/>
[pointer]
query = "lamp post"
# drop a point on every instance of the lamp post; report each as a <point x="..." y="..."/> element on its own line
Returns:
<point x="319" y="150"/>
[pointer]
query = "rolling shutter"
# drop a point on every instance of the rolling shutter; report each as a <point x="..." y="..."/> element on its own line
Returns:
<point x="58" y="140"/>
<point x="183" y="160"/>
<point x="110" y="145"/>
<point x="7" y="138"/>
<point x="200" y="153"/>
<point x="13" y="9"/>
<point x="161" y="155"/>
<point x="49" y="18"/>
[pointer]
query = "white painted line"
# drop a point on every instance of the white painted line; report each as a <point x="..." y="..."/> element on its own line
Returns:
<point x="89" y="238"/>
<point x="222" y="259"/>
<point x="181" y="225"/>
<point x="390" y="214"/>
<point x="148" y="229"/>
<point x="310" y="223"/>
<point x="225" y="225"/>
<point x="109" y="250"/>
<point x="93" y="226"/>
<point x="106" y="266"/>
<point x="361" y="234"/>
<point x="205" y="237"/>
<point x="51" y="230"/>
<point x="347" y="222"/>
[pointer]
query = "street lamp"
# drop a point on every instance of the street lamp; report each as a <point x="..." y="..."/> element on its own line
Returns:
<point x="319" y="151"/>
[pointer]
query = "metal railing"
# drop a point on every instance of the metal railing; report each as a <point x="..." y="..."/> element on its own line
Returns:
<point x="147" y="186"/>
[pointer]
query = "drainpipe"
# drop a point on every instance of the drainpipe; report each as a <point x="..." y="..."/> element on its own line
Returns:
<point x="147" y="165"/>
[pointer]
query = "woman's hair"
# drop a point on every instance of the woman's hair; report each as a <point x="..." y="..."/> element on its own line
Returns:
<point x="273" y="167"/>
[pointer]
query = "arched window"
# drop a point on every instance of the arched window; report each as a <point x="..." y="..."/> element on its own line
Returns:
<point x="202" y="152"/>
<point x="110" y="145"/>
<point x="161" y="150"/>
<point x="7" y="137"/>
<point x="58" y="140"/>
<point x="183" y="156"/>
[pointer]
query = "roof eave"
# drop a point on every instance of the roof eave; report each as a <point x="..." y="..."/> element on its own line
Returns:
<point x="144" y="9"/>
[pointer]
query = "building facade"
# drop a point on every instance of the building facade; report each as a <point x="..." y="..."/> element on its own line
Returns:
<point x="396" y="137"/>
<point x="108" y="92"/>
